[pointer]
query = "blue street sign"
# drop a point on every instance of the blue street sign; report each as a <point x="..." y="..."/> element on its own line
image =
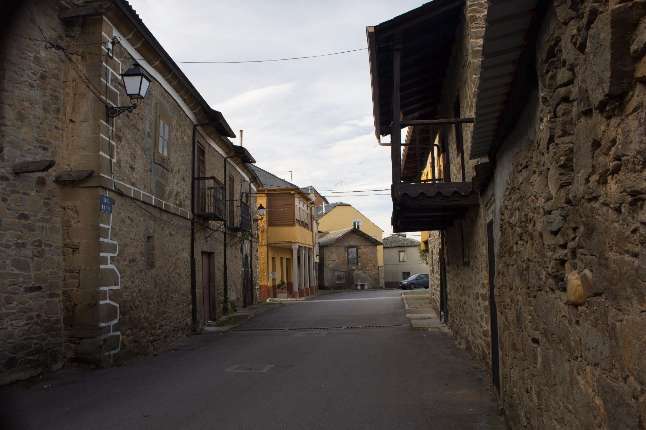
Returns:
<point x="106" y="204"/>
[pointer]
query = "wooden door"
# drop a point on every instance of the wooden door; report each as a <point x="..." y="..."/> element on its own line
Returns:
<point x="247" y="282"/>
<point x="493" y="310"/>
<point x="208" y="287"/>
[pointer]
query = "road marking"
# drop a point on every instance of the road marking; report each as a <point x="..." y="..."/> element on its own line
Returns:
<point x="245" y="368"/>
<point x="349" y="300"/>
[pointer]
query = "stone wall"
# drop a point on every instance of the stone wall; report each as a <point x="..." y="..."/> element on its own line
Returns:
<point x="335" y="260"/>
<point x="433" y="259"/>
<point x="31" y="251"/>
<point x="466" y="258"/>
<point x="80" y="282"/>
<point x="567" y="203"/>
<point x="571" y="262"/>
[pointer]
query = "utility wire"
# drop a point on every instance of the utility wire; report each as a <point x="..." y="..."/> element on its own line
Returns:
<point x="273" y="60"/>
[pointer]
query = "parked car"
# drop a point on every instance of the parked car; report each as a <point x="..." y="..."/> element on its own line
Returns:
<point x="419" y="280"/>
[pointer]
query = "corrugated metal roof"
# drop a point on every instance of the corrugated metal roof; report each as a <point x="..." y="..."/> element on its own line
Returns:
<point x="332" y="236"/>
<point x="399" y="241"/>
<point x="269" y="180"/>
<point x="426" y="35"/>
<point x="504" y="42"/>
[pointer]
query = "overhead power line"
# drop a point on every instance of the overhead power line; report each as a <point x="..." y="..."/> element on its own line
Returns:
<point x="273" y="60"/>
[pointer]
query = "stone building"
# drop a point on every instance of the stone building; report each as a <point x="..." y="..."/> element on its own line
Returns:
<point x="525" y="162"/>
<point x="108" y="245"/>
<point x="349" y="259"/>
<point x="402" y="258"/>
<point x="341" y="216"/>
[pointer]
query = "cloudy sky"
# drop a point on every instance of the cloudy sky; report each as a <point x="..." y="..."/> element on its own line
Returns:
<point x="311" y="117"/>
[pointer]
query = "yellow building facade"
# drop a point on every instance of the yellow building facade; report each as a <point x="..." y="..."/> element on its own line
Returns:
<point x="339" y="216"/>
<point x="287" y="235"/>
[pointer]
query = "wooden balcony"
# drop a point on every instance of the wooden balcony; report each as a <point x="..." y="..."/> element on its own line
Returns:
<point x="430" y="206"/>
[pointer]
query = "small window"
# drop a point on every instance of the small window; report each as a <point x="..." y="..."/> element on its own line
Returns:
<point x="164" y="136"/>
<point x="353" y="256"/>
<point x="405" y="275"/>
<point x="149" y="252"/>
<point x="402" y="256"/>
<point x="356" y="224"/>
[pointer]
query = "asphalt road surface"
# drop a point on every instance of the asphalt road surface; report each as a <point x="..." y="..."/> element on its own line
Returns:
<point x="340" y="361"/>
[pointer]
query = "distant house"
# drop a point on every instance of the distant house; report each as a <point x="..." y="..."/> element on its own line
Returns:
<point x="349" y="259"/>
<point x="317" y="198"/>
<point x="341" y="216"/>
<point x="402" y="258"/>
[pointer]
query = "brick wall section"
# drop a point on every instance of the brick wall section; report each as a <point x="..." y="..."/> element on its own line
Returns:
<point x="31" y="251"/>
<point x="335" y="259"/>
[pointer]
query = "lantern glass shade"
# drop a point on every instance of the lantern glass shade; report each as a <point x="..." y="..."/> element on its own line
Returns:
<point x="136" y="82"/>
<point x="261" y="211"/>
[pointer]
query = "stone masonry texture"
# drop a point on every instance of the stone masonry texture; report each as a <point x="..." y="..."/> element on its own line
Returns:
<point x="31" y="251"/>
<point x="567" y="203"/>
<point x="80" y="284"/>
<point x="335" y="260"/>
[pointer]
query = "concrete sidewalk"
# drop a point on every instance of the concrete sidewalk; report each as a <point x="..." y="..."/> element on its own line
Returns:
<point x="419" y="310"/>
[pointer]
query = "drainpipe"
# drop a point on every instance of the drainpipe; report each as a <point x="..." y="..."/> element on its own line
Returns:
<point x="225" y="277"/>
<point x="194" y="321"/>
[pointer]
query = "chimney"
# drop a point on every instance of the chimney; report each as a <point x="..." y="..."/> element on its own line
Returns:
<point x="241" y="136"/>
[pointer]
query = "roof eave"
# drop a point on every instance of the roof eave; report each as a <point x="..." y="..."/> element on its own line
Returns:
<point x="220" y="123"/>
<point x="374" y="78"/>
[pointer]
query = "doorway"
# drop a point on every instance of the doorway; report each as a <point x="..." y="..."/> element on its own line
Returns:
<point x="288" y="275"/>
<point x="444" y="300"/>
<point x="493" y="310"/>
<point x="247" y="282"/>
<point x="208" y="287"/>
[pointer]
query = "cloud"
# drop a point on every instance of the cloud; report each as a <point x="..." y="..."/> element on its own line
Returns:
<point x="254" y="98"/>
<point x="311" y="117"/>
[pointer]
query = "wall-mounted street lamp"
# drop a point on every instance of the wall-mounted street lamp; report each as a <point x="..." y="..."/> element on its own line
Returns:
<point x="261" y="211"/>
<point x="136" y="82"/>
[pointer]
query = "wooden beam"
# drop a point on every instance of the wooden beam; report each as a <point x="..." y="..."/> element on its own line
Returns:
<point x="422" y="15"/>
<point x="447" y="121"/>
<point x="395" y="132"/>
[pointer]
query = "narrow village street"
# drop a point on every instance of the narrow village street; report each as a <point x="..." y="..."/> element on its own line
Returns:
<point x="340" y="361"/>
<point x="412" y="214"/>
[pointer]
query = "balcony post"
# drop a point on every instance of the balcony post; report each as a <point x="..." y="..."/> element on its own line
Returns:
<point x="395" y="133"/>
<point x="295" y="274"/>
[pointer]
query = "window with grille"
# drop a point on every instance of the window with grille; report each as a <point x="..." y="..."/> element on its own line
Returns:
<point x="164" y="136"/>
<point x="353" y="256"/>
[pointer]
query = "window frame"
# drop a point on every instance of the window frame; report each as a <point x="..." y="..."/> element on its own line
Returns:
<point x="400" y="253"/>
<point x="356" y="256"/>
<point x="163" y="117"/>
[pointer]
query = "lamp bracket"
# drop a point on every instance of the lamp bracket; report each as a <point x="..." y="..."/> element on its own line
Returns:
<point x="115" y="111"/>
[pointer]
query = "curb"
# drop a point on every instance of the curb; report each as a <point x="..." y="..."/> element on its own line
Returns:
<point x="285" y="300"/>
<point x="237" y="318"/>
